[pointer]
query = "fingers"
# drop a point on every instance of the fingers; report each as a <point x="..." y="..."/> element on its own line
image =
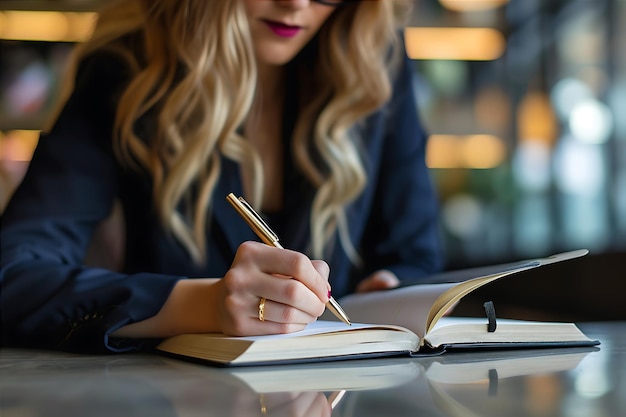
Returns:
<point x="295" y="290"/>
<point x="323" y="269"/>
<point x="379" y="280"/>
<point x="287" y="263"/>
<point x="241" y="316"/>
<point x="308" y="403"/>
<point x="276" y="262"/>
<point x="282" y="313"/>
<point x="289" y="292"/>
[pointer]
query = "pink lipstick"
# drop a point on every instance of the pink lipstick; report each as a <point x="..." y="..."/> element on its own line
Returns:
<point x="283" y="30"/>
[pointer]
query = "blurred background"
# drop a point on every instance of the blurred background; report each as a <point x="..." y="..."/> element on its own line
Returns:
<point x="525" y="101"/>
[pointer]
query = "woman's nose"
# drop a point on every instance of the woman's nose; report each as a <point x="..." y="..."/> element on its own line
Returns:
<point x="293" y="4"/>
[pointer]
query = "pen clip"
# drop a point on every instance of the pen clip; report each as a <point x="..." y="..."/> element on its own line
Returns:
<point x="254" y="220"/>
<point x="258" y="218"/>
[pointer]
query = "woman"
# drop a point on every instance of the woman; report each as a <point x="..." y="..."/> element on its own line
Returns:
<point x="304" y="107"/>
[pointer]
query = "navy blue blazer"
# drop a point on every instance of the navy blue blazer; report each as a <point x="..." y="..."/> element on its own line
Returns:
<point x="50" y="298"/>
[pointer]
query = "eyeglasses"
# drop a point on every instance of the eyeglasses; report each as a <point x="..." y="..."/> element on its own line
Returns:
<point x="330" y="2"/>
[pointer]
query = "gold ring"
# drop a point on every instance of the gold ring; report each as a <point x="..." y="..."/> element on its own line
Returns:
<point x="262" y="309"/>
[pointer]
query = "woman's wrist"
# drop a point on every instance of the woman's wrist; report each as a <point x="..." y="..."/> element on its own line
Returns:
<point x="190" y="308"/>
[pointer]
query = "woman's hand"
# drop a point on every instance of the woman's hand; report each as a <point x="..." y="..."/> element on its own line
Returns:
<point x="285" y="404"/>
<point x="379" y="280"/>
<point x="384" y="280"/>
<point x="294" y="288"/>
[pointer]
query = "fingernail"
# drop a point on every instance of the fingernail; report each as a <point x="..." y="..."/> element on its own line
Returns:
<point x="328" y="293"/>
<point x="387" y="278"/>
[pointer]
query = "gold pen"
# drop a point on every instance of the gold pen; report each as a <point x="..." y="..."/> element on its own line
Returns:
<point x="268" y="237"/>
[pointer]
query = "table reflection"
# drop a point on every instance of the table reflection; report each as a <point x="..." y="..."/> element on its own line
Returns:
<point x="542" y="382"/>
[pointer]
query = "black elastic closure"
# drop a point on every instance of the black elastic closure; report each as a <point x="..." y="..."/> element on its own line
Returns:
<point x="490" y="310"/>
<point x="493" y="382"/>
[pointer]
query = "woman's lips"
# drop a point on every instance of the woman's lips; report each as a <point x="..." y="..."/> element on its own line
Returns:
<point x="282" y="30"/>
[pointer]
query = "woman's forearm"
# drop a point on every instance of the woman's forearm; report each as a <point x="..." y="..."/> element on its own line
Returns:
<point x="188" y="309"/>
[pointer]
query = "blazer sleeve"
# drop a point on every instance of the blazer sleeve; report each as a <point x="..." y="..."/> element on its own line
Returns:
<point x="48" y="297"/>
<point x="402" y="232"/>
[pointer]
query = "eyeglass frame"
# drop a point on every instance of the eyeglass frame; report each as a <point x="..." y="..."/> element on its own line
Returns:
<point x="332" y="3"/>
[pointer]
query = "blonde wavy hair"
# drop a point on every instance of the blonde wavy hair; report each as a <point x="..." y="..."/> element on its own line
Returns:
<point x="194" y="71"/>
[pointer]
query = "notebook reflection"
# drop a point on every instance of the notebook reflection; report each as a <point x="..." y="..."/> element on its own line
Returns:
<point x="482" y="383"/>
<point x="436" y="386"/>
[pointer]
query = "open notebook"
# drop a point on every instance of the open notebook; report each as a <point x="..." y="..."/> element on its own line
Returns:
<point x="406" y="321"/>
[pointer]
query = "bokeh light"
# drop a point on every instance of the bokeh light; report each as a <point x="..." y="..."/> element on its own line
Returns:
<point x="532" y="166"/>
<point x="591" y="121"/>
<point x="579" y="168"/>
<point x="462" y="215"/>
<point x="567" y="94"/>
